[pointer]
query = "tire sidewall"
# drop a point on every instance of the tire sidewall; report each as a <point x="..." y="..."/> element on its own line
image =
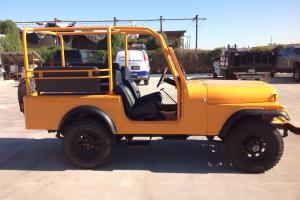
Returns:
<point x="272" y="137"/>
<point x="99" y="131"/>
<point x="296" y="74"/>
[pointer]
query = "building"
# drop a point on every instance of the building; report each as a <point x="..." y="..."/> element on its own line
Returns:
<point x="175" y="36"/>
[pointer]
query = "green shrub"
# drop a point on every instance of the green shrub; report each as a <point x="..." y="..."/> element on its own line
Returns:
<point x="46" y="52"/>
<point x="12" y="40"/>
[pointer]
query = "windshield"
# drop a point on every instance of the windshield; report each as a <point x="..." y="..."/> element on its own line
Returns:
<point x="90" y="56"/>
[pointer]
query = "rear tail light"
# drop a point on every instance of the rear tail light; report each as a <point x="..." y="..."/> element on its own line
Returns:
<point x="145" y="56"/>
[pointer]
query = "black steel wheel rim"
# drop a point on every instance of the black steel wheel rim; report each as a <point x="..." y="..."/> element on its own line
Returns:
<point x="255" y="148"/>
<point x="297" y="74"/>
<point x="87" y="146"/>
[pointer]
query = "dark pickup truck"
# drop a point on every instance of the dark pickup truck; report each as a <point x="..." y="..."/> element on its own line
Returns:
<point x="77" y="57"/>
<point x="235" y="61"/>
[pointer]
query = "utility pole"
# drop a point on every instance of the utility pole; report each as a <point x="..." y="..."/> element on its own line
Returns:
<point x="197" y="20"/>
<point x="115" y="21"/>
<point x="197" y="26"/>
<point x="161" y="26"/>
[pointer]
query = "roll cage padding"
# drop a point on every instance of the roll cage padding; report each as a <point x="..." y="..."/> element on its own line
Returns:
<point x="247" y="113"/>
<point x="88" y="110"/>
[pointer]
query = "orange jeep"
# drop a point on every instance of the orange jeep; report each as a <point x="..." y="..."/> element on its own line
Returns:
<point x="91" y="107"/>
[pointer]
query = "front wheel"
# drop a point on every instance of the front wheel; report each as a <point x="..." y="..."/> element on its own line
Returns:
<point x="296" y="74"/>
<point x="88" y="144"/>
<point x="254" y="146"/>
<point x="146" y="82"/>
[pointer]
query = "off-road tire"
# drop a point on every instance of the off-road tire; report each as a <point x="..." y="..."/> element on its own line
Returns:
<point x="215" y="75"/>
<point x="137" y="82"/>
<point x="229" y="76"/>
<point x="296" y="74"/>
<point x="89" y="144"/>
<point x="146" y="82"/>
<point x="237" y="146"/>
<point x="21" y="93"/>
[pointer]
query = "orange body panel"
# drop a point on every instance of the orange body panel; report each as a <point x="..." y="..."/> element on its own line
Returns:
<point x="197" y="116"/>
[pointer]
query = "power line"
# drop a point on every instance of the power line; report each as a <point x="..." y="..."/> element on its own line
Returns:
<point x="115" y="20"/>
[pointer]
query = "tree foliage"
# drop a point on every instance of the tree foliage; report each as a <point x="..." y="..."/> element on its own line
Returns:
<point x="46" y="52"/>
<point x="117" y="41"/>
<point x="12" y="39"/>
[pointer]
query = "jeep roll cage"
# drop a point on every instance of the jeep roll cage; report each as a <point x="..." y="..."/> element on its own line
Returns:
<point x="59" y="32"/>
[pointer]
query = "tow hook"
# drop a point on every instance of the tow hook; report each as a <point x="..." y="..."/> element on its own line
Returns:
<point x="291" y="128"/>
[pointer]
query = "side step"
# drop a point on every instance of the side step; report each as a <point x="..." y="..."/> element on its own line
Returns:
<point x="130" y="141"/>
<point x="138" y="142"/>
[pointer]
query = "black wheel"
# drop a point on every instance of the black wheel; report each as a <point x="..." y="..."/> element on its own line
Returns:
<point x="137" y="82"/>
<point x="146" y="82"/>
<point x="229" y="76"/>
<point x="88" y="144"/>
<point x="215" y="75"/>
<point x="296" y="74"/>
<point x="254" y="146"/>
<point x="272" y="74"/>
<point x="21" y="93"/>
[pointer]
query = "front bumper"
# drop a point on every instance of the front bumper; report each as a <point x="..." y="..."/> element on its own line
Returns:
<point x="139" y="75"/>
<point x="292" y="128"/>
<point x="282" y="122"/>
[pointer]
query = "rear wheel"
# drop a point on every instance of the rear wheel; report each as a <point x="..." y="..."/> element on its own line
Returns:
<point x="21" y="93"/>
<point x="229" y="76"/>
<point x="215" y="75"/>
<point x="254" y="146"/>
<point x="146" y="82"/>
<point x="296" y="74"/>
<point x="88" y="144"/>
<point x="137" y="82"/>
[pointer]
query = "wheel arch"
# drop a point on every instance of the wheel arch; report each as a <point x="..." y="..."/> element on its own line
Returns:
<point x="86" y="112"/>
<point x="296" y="64"/>
<point x="247" y="114"/>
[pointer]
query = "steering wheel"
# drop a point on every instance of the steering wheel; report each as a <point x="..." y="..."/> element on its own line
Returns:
<point x="162" y="77"/>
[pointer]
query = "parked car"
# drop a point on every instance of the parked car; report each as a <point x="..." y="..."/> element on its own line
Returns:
<point x="288" y="60"/>
<point x="76" y="57"/>
<point x="138" y="64"/>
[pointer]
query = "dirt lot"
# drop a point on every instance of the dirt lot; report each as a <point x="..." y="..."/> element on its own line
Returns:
<point x="33" y="164"/>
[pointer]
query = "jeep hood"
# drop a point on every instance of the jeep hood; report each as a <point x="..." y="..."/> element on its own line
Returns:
<point x="230" y="92"/>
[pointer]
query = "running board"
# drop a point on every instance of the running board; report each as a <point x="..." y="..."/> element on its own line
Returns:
<point x="138" y="142"/>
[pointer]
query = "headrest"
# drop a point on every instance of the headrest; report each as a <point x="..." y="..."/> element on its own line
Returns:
<point x="125" y="73"/>
<point x="118" y="77"/>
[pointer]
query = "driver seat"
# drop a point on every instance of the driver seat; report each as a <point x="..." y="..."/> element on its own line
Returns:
<point x="156" y="96"/>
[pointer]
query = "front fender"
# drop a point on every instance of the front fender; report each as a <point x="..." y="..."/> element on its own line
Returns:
<point x="248" y="113"/>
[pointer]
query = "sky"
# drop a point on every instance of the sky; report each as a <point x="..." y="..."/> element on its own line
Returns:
<point x="241" y="22"/>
